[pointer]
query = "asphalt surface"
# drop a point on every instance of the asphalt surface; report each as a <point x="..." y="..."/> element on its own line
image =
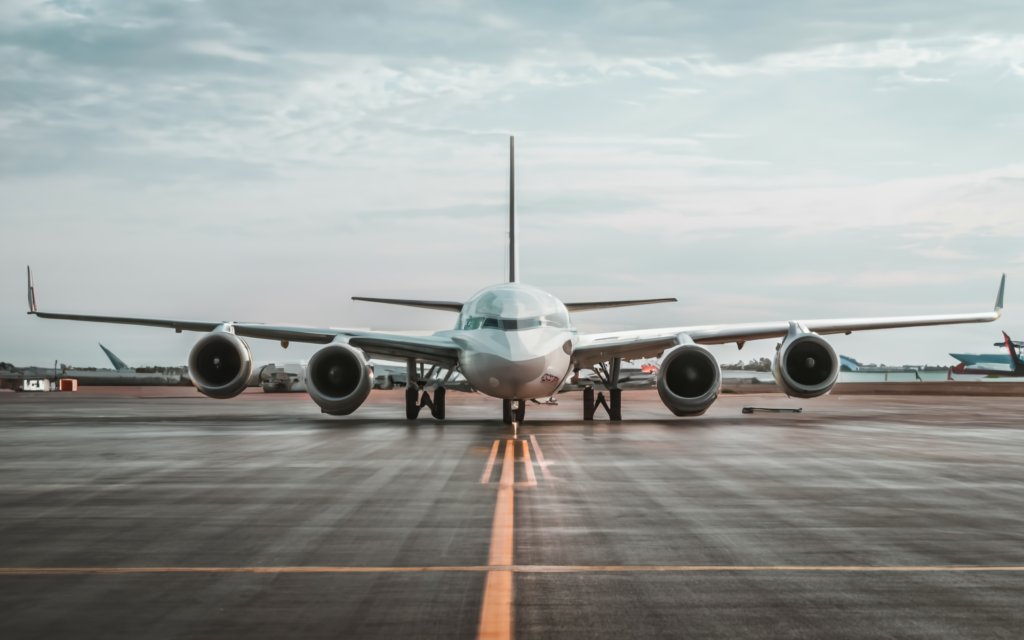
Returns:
<point x="146" y="513"/>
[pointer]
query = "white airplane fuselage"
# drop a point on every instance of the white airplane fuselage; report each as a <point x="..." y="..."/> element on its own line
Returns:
<point x="515" y="342"/>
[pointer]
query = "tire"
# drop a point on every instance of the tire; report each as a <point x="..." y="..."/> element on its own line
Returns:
<point x="506" y="411"/>
<point x="438" y="409"/>
<point x="521" y="411"/>
<point x="588" y="404"/>
<point x="615" y="404"/>
<point x="412" y="402"/>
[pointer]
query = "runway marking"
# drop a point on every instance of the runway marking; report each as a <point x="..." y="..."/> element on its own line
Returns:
<point x="496" y="609"/>
<point x="486" y="477"/>
<point x="511" y="569"/>
<point x="531" y="479"/>
<point x="540" y="458"/>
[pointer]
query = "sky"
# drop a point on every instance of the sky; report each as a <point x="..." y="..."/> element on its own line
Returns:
<point x="265" y="161"/>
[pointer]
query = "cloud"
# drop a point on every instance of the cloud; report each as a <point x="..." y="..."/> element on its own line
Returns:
<point x="223" y="50"/>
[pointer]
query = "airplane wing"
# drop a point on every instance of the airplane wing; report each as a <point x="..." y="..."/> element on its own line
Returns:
<point x="649" y="343"/>
<point x="434" y="349"/>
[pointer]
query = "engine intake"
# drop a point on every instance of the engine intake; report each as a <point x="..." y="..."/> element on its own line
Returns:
<point x="805" y="365"/>
<point x="689" y="380"/>
<point x="220" y="365"/>
<point x="339" y="379"/>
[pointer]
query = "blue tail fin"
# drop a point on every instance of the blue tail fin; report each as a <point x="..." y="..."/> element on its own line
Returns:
<point x="114" y="360"/>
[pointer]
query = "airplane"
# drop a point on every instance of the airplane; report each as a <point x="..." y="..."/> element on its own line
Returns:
<point x="1008" y="365"/>
<point x="516" y="342"/>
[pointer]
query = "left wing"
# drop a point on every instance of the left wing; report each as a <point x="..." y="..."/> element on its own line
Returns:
<point x="433" y="349"/>
<point x="651" y="343"/>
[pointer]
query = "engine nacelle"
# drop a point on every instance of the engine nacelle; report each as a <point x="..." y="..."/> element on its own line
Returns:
<point x="805" y="365"/>
<point x="689" y="380"/>
<point x="339" y="379"/>
<point x="220" y="365"/>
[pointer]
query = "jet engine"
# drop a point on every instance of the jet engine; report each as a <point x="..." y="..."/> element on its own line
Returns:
<point x="805" y="365"/>
<point x="689" y="380"/>
<point x="339" y="379"/>
<point x="220" y="365"/>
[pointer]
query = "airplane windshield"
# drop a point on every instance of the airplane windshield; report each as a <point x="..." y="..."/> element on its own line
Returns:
<point x="512" y="307"/>
<point x="515" y="324"/>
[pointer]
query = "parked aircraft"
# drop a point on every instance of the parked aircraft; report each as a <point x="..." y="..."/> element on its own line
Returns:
<point x="516" y="342"/>
<point x="122" y="375"/>
<point x="996" y="365"/>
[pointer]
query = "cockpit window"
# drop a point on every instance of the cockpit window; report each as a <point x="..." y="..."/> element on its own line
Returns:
<point x="512" y="307"/>
<point x="515" y="324"/>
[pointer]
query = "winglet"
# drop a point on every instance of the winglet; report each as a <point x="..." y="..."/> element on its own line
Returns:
<point x="999" y="296"/>
<point x="31" y="292"/>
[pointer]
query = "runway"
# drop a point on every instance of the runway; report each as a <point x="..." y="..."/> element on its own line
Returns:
<point x="145" y="513"/>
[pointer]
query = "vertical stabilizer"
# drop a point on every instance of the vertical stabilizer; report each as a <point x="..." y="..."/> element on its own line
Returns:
<point x="114" y="360"/>
<point x="1016" y="365"/>
<point x="513" y="249"/>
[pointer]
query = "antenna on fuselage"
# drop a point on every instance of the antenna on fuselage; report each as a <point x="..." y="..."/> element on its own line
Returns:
<point x="513" y="251"/>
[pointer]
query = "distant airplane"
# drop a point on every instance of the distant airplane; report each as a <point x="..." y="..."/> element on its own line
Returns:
<point x="516" y="342"/>
<point x="123" y="375"/>
<point x="995" y="365"/>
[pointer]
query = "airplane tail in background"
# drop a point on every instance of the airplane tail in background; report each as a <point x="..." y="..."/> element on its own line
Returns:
<point x="1016" y="364"/>
<point x="114" y="360"/>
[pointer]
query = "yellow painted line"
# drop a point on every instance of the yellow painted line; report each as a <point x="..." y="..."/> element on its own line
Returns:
<point x="486" y="477"/>
<point x="510" y="569"/>
<point x="540" y="458"/>
<point x="504" y="513"/>
<point x="496" y="609"/>
<point x="531" y="479"/>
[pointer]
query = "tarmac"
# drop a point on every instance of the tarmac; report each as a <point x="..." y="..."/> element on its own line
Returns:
<point x="157" y="513"/>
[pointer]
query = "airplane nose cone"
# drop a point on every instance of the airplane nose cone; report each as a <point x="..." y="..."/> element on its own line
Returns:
<point x="513" y="366"/>
<point x="502" y="377"/>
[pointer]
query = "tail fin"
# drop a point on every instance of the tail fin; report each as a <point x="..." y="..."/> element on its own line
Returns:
<point x="513" y="249"/>
<point x="1016" y="364"/>
<point x="114" y="360"/>
<point x="31" y="292"/>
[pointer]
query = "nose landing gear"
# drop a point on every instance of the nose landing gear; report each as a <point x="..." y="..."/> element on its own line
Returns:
<point x="513" y="411"/>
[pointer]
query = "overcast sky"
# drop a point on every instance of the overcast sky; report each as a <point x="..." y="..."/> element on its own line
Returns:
<point x="265" y="161"/>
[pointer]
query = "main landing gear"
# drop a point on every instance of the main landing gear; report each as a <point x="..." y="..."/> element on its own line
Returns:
<point x="608" y="372"/>
<point x="513" y="411"/>
<point x="416" y="395"/>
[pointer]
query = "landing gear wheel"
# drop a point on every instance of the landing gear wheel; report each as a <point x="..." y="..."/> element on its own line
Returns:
<point x="438" y="409"/>
<point x="615" y="408"/>
<point x="506" y="411"/>
<point x="412" y="402"/>
<point x="588" y="404"/>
